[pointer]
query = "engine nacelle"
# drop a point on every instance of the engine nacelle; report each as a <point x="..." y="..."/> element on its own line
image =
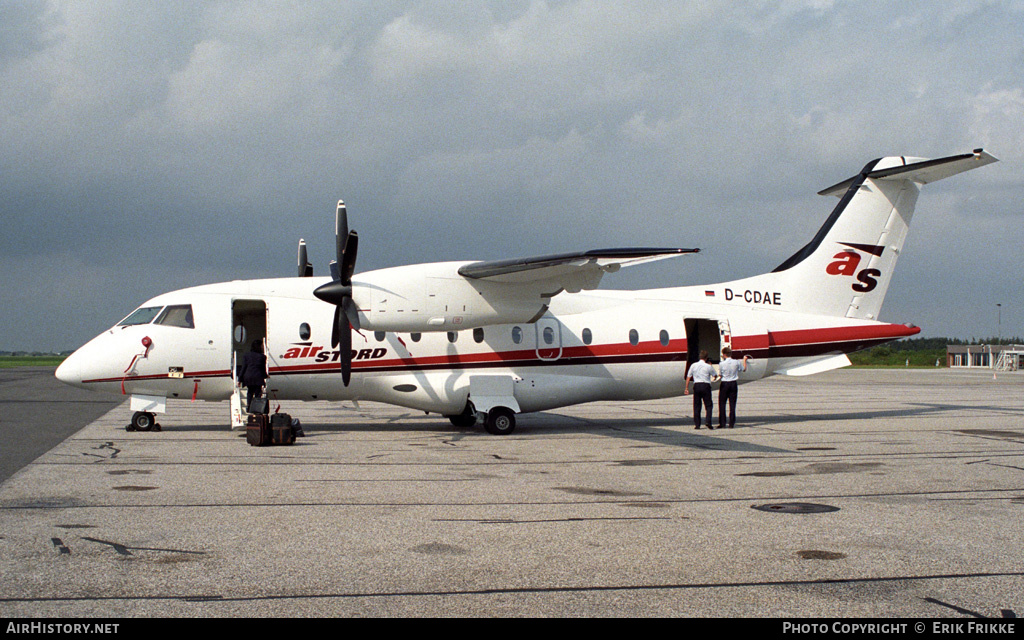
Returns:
<point x="434" y="297"/>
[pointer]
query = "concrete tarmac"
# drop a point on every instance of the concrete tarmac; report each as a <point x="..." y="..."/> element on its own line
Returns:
<point x="855" y="493"/>
<point x="37" y="412"/>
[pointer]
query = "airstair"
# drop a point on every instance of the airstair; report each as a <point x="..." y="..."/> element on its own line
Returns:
<point x="1010" y="358"/>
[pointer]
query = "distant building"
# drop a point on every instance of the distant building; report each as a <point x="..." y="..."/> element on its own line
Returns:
<point x="1004" y="357"/>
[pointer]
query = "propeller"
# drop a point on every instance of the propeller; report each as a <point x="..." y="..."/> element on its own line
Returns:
<point x="339" y="291"/>
<point x="305" y="268"/>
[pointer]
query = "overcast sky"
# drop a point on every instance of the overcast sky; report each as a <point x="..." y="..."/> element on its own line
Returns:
<point x="150" y="146"/>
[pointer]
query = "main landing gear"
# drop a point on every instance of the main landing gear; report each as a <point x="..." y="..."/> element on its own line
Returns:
<point x="499" y="421"/>
<point x="143" y="421"/>
<point x="465" y="419"/>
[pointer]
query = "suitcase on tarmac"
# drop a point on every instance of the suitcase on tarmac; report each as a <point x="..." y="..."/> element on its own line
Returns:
<point x="260" y="405"/>
<point x="257" y="430"/>
<point x="281" y="431"/>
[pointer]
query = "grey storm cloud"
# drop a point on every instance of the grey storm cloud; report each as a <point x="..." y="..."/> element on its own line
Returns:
<point x="151" y="146"/>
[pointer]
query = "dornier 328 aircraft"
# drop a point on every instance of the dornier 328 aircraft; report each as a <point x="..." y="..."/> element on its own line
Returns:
<point x="488" y="340"/>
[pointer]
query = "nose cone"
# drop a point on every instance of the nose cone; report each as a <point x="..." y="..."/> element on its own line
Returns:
<point x="70" y="371"/>
<point x="87" y="366"/>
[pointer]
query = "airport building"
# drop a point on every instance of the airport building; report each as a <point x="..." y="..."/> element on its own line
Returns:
<point x="1001" y="357"/>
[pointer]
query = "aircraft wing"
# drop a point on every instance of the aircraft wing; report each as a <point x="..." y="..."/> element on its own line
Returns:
<point x="573" y="271"/>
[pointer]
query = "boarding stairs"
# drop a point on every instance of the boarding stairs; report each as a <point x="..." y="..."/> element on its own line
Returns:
<point x="1010" y="359"/>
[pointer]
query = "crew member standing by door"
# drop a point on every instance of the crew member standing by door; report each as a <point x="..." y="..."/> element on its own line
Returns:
<point x="702" y="374"/>
<point x="730" y="369"/>
<point x="253" y="373"/>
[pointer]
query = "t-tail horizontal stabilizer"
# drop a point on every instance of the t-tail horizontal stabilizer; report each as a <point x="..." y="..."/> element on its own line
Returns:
<point x="919" y="170"/>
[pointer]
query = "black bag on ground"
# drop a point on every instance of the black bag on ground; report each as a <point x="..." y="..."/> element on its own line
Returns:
<point x="260" y="405"/>
<point x="281" y="429"/>
<point x="257" y="430"/>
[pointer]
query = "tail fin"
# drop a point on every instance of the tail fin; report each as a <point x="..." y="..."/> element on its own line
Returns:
<point x="845" y="270"/>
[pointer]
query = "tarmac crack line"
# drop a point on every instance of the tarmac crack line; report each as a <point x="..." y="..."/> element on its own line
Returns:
<point x="528" y="590"/>
<point x="124" y="549"/>
<point x="936" y="495"/>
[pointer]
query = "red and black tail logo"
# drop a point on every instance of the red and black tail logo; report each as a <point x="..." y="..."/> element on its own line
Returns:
<point x="845" y="263"/>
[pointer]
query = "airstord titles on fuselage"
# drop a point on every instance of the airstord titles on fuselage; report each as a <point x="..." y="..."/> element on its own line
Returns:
<point x="322" y="354"/>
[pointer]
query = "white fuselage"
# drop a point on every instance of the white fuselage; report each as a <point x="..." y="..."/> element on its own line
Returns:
<point x="588" y="346"/>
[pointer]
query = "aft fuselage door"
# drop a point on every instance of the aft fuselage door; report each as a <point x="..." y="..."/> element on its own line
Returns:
<point x="705" y="334"/>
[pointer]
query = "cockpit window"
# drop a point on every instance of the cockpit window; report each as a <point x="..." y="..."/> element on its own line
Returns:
<point x="177" y="315"/>
<point x="142" y="315"/>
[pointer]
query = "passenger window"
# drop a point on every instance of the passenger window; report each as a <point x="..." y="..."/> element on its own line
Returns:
<point x="304" y="331"/>
<point x="453" y="336"/>
<point x="663" y="336"/>
<point x="588" y="337"/>
<point x="478" y="334"/>
<point x="549" y="335"/>
<point x="179" y="315"/>
<point x="634" y="337"/>
<point x="142" y="315"/>
<point x="517" y="335"/>
<point x="415" y="336"/>
<point x="379" y="336"/>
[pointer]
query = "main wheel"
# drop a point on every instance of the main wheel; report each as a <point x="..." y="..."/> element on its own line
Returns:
<point x="501" y="421"/>
<point x="465" y="419"/>
<point x="142" y="421"/>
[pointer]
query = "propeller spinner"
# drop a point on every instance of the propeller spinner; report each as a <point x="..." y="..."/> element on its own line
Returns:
<point x="339" y="291"/>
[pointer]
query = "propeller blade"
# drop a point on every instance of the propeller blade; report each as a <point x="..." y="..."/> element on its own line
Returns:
<point x="351" y="312"/>
<point x="340" y="230"/>
<point x="344" y="345"/>
<point x="305" y="268"/>
<point x="348" y="257"/>
<point x="334" y="328"/>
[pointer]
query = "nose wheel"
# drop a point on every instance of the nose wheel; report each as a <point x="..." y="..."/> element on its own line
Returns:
<point x="143" y="421"/>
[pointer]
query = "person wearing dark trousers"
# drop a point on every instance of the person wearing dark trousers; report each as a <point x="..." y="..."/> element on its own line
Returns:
<point x="702" y="374"/>
<point x="253" y="373"/>
<point x="728" y="391"/>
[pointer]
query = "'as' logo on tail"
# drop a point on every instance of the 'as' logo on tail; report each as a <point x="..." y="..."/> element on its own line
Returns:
<point x="845" y="263"/>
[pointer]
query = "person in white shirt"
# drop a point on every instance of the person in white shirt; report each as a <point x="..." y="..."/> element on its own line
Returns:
<point x="727" y="392"/>
<point x="702" y="374"/>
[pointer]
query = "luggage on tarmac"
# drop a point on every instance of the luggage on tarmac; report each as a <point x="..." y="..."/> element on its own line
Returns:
<point x="281" y="432"/>
<point x="260" y="405"/>
<point x="262" y="430"/>
<point x="257" y="430"/>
